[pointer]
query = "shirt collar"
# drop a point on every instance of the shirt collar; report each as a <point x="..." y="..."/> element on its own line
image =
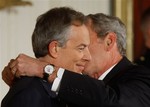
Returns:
<point x="105" y="73"/>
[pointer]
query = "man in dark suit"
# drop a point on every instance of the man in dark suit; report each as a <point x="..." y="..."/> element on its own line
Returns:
<point x="56" y="33"/>
<point x="118" y="83"/>
<point x="144" y="59"/>
<point x="126" y="85"/>
<point x="30" y="92"/>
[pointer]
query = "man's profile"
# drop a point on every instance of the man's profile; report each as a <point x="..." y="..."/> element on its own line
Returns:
<point x="59" y="38"/>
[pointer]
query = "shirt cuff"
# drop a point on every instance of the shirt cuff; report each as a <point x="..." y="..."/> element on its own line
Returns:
<point x="56" y="83"/>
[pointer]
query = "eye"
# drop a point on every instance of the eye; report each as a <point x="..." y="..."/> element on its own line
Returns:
<point x="81" y="48"/>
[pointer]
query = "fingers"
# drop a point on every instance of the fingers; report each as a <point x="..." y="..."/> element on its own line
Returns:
<point x="12" y="70"/>
<point x="15" y="65"/>
<point x="9" y="72"/>
<point x="7" y="76"/>
<point x="25" y="65"/>
<point x="12" y="63"/>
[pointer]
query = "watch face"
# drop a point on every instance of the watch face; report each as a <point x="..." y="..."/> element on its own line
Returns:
<point x="49" y="69"/>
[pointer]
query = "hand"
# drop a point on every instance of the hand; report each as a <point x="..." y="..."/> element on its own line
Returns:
<point x="7" y="74"/>
<point x="24" y="65"/>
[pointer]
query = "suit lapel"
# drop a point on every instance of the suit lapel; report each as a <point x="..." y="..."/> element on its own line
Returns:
<point x="118" y="70"/>
<point x="47" y="86"/>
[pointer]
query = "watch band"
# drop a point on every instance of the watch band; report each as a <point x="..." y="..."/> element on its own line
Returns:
<point x="45" y="77"/>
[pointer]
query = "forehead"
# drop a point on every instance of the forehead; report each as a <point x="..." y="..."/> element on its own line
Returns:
<point x="92" y="34"/>
<point x="79" y="34"/>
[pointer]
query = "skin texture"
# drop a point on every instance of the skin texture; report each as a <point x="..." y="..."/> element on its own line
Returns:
<point x="103" y="51"/>
<point x="72" y="56"/>
<point x="75" y="53"/>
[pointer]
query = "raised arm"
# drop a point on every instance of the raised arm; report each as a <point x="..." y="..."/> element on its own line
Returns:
<point x="23" y="65"/>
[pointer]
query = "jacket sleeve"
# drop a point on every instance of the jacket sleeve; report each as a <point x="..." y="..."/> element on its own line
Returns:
<point x="27" y="92"/>
<point x="85" y="91"/>
<point x="27" y="99"/>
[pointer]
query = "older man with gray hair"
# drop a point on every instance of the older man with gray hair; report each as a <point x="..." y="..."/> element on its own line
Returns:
<point x="118" y="81"/>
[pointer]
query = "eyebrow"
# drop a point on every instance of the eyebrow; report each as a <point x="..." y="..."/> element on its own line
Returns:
<point x="82" y="45"/>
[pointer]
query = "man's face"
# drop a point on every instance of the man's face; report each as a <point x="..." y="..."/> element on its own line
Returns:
<point x="97" y="65"/>
<point x="75" y="54"/>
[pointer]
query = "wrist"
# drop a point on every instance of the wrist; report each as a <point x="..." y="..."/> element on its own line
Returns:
<point x="49" y="73"/>
<point x="40" y="68"/>
<point x="52" y="77"/>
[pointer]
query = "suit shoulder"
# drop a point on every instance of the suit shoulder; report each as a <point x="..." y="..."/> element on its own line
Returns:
<point x="24" y="82"/>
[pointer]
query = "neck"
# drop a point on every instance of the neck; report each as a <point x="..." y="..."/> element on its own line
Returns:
<point x="112" y="60"/>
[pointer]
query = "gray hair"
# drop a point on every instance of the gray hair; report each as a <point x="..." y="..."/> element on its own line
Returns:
<point x="103" y="24"/>
<point x="54" y="25"/>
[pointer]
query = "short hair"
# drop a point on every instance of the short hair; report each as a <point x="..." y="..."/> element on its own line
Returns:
<point x="103" y="24"/>
<point x="54" y="25"/>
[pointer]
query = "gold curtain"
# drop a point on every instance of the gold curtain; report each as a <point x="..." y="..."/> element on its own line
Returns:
<point x="9" y="3"/>
<point x="124" y="10"/>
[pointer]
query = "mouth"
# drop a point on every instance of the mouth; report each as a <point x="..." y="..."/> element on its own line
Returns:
<point x="81" y="67"/>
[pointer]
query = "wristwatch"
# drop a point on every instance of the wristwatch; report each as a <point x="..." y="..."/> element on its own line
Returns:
<point x="48" y="70"/>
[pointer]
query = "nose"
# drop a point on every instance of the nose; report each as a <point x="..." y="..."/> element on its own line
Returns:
<point x="87" y="55"/>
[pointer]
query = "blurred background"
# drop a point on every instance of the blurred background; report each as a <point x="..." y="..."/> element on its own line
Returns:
<point x="18" y="18"/>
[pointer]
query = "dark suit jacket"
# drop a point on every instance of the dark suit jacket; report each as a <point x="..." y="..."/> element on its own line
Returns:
<point x="126" y="85"/>
<point x="30" y="92"/>
<point x="144" y="59"/>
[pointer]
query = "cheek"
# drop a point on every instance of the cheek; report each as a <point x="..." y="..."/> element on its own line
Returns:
<point x="71" y="57"/>
<point x="94" y="51"/>
<point x="76" y="56"/>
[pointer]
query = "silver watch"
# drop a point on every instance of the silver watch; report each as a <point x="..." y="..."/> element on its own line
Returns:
<point x="48" y="70"/>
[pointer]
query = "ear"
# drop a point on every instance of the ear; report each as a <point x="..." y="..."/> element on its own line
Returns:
<point x="110" y="40"/>
<point x="53" y="49"/>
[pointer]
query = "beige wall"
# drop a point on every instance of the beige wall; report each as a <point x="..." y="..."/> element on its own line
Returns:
<point x="17" y="24"/>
